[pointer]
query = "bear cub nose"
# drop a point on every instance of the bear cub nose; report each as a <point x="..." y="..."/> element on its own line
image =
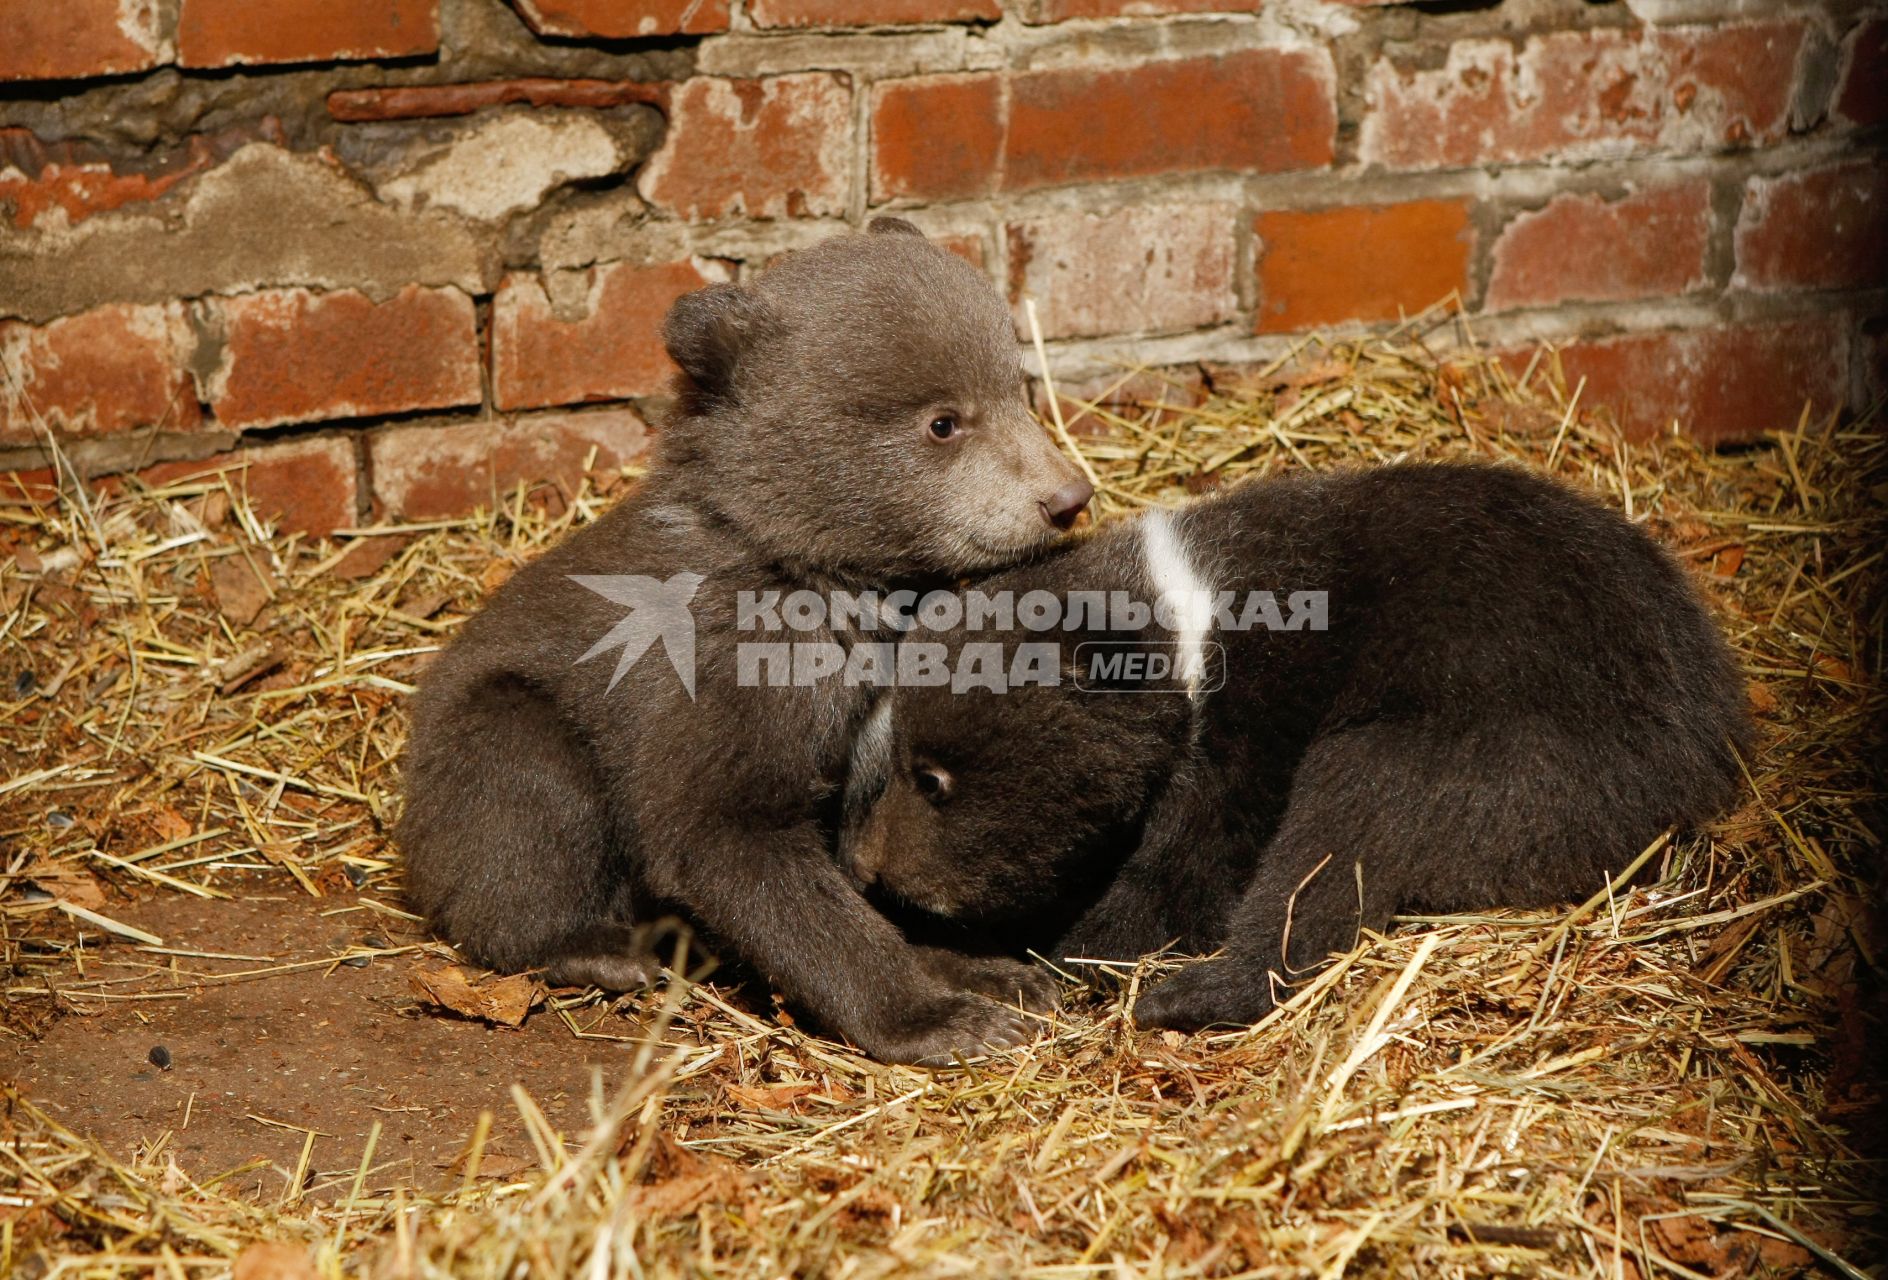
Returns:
<point x="1066" y="503"/>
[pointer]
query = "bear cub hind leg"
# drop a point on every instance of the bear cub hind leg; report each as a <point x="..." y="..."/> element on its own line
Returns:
<point x="508" y="841"/>
<point x="1338" y="863"/>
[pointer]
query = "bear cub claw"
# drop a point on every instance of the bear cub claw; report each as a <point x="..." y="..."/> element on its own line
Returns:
<point x="962" y="1026"/>
<point x="1206" y="993"/>
<point x="610" y="971"/>
<point x="999" y="977"/>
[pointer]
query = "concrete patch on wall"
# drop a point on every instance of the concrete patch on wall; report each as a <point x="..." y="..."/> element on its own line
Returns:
<point x="500" y="164"/>
<point x="266" y="217"/>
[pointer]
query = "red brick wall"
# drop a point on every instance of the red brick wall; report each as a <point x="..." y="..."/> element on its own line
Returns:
<point x="393" y="256"/>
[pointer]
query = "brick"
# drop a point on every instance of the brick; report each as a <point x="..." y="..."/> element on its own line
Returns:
<point x="290" y="355"/>
<point x="432" y="101"/>
<point x="946" y="137"/>
<point x="968" y="246"/>
<point x="112" y="369"/>
<point x="1862" y="98"/>
<point x="869" y="13"/>
<point x="1725" y="383"/>
<point x="1587" y="248"/>
<point x="308" y="485"/>
<point x="610" y="349"/>
<point x="1826" y="229"/>
<point x="769" y="148"/>
<point x="1329" y="266"/>
<point x="938" y="136"/>
<point x="64" y="183"/>
<point x="1063" y="10"/>
<point x="430" y="472"/>
<point x="1142" y="270"/>
<point x="68" y="39"/>
<point x="1580" y="95"/>
<point x="1871" y="361"/>
<point x="1260" y="109"/>
<point x="305" y="486"/>
<point x="64" y="194"/>
<point x="623" y="19"/>
<point x="40" y="487"/>
<point x="225" y="33"/>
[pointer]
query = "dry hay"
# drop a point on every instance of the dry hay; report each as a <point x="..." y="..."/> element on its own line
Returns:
<point x="1669" y="1081"/>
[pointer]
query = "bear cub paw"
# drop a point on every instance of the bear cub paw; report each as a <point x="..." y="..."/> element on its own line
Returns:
<point x="999" y="977"/>
<point x="609" y="970"/>
<point x="960" y="1027"/>
<point x="1207" y="993"/>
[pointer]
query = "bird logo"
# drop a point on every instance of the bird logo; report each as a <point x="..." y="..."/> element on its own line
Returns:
<point x="658" y="610"/>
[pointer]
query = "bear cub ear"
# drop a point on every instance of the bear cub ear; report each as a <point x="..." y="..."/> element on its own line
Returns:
<point x="893" y="227"/>
<point x="707" y="330"/>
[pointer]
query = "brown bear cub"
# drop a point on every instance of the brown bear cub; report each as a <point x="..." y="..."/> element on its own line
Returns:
<point x="586" y="755"/>
<point x="1431" y="688"/>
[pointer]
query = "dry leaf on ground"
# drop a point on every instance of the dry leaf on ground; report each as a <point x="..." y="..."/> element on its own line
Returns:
<point x="505" y="1001"/>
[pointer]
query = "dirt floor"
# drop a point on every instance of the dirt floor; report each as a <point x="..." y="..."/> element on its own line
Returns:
<point x="328" y="1046"/>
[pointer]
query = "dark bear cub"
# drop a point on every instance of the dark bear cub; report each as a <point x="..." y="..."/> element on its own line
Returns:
<point x="589" y="753"/>
<point x="1433" y="688"/>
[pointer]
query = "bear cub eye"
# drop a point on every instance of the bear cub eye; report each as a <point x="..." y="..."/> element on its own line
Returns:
<point x="935" y="784"/>
<point x="944" y="427"/>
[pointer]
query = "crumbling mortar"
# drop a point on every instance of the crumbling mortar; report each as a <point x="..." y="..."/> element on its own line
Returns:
<point x="1352" y="56"/>
<point x="996" y="248"/>
<point x="1085" y="45"/>
<point x="126" y="451"/>
<point x="923" y="49"/>
<point x="736" y="239"/>
<point x="93" y="456"/>
<point x="1246" y="264"/>
<point x="859" y="173"/>
<point x="1414" y="42"/>
<point x="129" y="116"/>
<point x="1727" y="202"/>
<point x="386" y="144"/>
<point x="893" y="54"/>
<point x="482" y="336"/>
<point x="217" y="234"/>
<point x="360" y="426"/>
<point x="654" y="411"/>
<point x="1524" y="185"/>
<point x="363" y="477"/>
<point x="205" y="362"/>
<point x="1234" y="342"/>
<point x="1486" y="219"/>
<point x="1868" y="380"/>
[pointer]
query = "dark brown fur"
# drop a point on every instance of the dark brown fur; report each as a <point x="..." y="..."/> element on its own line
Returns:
<point x="1517" y="692"/>
<point x="547" y="814"/>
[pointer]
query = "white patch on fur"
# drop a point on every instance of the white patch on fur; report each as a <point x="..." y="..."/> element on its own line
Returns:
<point x="1189" y="597"/>
<point x="678" y="518"/>
<point x="870" y="771"/>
